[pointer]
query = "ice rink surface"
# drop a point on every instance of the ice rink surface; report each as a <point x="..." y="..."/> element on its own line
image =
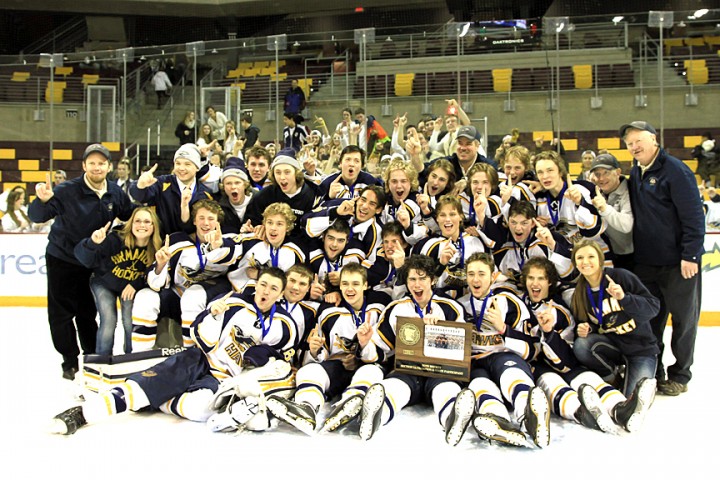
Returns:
<point x="679" y="439"/>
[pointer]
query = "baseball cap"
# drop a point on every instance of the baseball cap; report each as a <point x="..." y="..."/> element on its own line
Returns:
<point x="605" y="160"/>
<point x="468" y="131"/>
<point x="99" y="148"/>
<point x="189" y="151"/>
<point x="639" y="125"/>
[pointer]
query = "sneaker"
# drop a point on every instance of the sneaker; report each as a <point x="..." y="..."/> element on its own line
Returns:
<point x="537" y="417"/>
<point x="494" y="427"/>
<point x="68" y="422"/>
<point x="672" y="388"/>
<point x="591" y="412"/>
<point x="299" y="415"/>
<point x="462" y="412"/>
<point x="69" y="373"/>
<point x="371" y="414"/>
<point x="343" y="413"/>
<point x="630" y="414"/>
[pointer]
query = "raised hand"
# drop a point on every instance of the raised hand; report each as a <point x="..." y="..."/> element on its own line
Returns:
<point x="162" y="256"/>
<point x="447" y="252"/>
<point x="573" y="192"/>
<point x="403" y="217"/>
<point x="364" y="333"/>
<point x="506" y="190"/>
<point x="347" y="207"/>
<point x="336" y="188"/>
<point x="599" y="200"/>
<point x="494" y="318"/>
<point x="99" y="235"/>
<point x="220" y="305"/>
<point x="215" y="238"/>
<point x="147" y="178"/>
<point x="398" y="256"/>
<point x="402" y="121"/>
<point x="315" y="342"/>
<point x="44" y="191"/>
<point x="333" y="298"/>
<point x="546" y="320"/>
<point x="185" y="197"/>
<point x="615" y="289"/>
<point x="544" y="234"/>
<point x="480" y="205"/>
<point x="317" y="289"/>
<point x="247" y="227"/>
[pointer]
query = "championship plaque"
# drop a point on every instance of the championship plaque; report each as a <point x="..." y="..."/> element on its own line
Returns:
<point x="440" y="351"/>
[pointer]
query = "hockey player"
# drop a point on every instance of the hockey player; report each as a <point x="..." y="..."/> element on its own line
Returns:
<point x="613" y="309"/>
<point x="334" y="368"/>
<point x="269" y="245"/>
<point x="384" y="400"/>
<point x="331" y="254"/>
<point x="383" y="272"/>
<point x="235" y="196"/>
<point x="231" y="336"/>
<point x="499" y="371"/>
<point x="527" y="238"/>
<point x="519" y="177"/>
<point x="182" y="279"/>
<point x="351" y="179"/>
<point x="361" y="213"/>
<point x="173" y="195"/>
<point x="401" y="187"/>
<point x="575" y="392"/>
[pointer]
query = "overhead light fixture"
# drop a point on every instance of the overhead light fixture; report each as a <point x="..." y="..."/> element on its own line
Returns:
<point x="214" y="50"/>
<point x="388" y="39"/>
<point x="296" y="44"/>
<point x="465" y="30"/>
<point x="142" y="58"/>
<point x="700" y="13"/>
<point x="617" y="19"/>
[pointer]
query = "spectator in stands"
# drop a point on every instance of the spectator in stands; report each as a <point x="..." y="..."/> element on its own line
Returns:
<point x="80" y="206"/>
<point x="119" y="260"/>
<point x="587" y="158"/>
<point x="59" y="177"/>
<point x="185" y="130"/>
<point x="343" y="127"/>
<point x="235" y="197"/>
<point x="217" y="121"/>
<point x="4" y="196"/>
<point x="294" y="133"/>
<point x="294" y="98"/>
<point x="708" y="157"/>
<point x="508" y="141"/>
<point x="272" y="148"/>
<point x="123" y="175"/>
<point x="668" y="236"/>
<point x="16" y="219"/>
<point x="446" y="143"/>
<point x="371" y="132"/>
<point x="257" y="164"/>
<point x="207" y="140"/>
<point x="231" y="137"/>
<point x="161" y="83"/>
<point x="251" y="132"/>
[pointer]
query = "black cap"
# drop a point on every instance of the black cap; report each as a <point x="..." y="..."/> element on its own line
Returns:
<point x="605" y="160"/>
<point x="639" y="125"/>
<point x="468" y="131"/>
<point x="99" y="148"/>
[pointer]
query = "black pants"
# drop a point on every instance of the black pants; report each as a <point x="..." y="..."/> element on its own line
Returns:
<point x="69" y="297"/>
<point x="680" y="298"/>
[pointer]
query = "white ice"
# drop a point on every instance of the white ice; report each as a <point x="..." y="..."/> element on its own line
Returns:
<point x="679" y="439"/>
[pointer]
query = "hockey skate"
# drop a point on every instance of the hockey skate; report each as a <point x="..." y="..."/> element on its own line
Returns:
<point x="537" y="417"/>
<point x="68" y="422"/>
<point x="299" y="415"/>
<point x="630" y="414"/>
<point x="343" y="413"/>
<point x="235" y="415"/>
<point x="460" y="416"/>
<point x="591" y="412"/>
<point x="493" y="427"/>
<point x="371" y="415"/>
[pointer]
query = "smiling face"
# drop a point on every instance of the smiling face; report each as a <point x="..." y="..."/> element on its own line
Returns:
<point x="451" y="123"/>
<point x="549" y="175"/>
<point x="211" y="112"/>
<point x="466" y="149"/>
<point x="352" y="286"/>
<point x="267" y="291"/>
<point x="234" y="188"/>
<point x="607" y="179"/>
<point x="142" y="226"/>
<point x="297" y="287"/>
<point x="479" y="278"/>
<point x="537" y="284"/>
<point x="392" y="243"/>
<point x="346" y="116"/>
<point x="520" y="227"/>
<point x="96" y="168"/>
<point x="334" y="243"/>
<point x="366" y="206"/>
<point x="285" y="178"/>
<point x="587" y="160"/>
<point x="206" y="130"/>
<point x="184" y="170"/>
<point x="122" y="171"/>
<point x="437" y="181"/>
<point x="420" y="284"/>
<point x="350" y="166"/>
<point x="258" y="168"/>
<point x="276" y="229"/>
<point x="514" y="169"/>
<point x="205" y="223"/>
<point x="399" y="185"/>
<point x="642" y="145"/>
<point x="449" y="220"/>
<point x="587" y="261"/>
<point x="480" y="183"/>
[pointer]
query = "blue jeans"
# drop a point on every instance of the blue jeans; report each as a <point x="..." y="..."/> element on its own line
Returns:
<point x="106" y="302"/>
<point x="598" y="353"/>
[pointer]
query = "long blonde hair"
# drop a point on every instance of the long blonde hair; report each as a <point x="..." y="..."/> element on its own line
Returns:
<point x="155" y="242"/>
